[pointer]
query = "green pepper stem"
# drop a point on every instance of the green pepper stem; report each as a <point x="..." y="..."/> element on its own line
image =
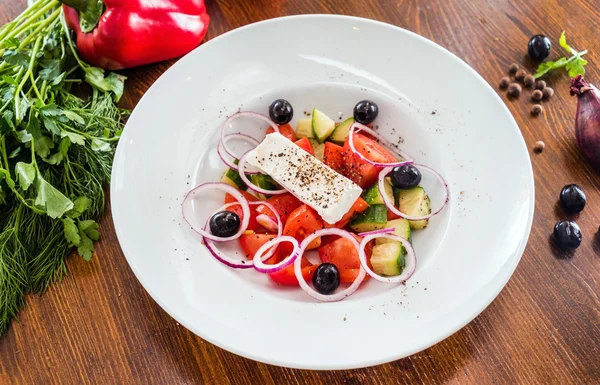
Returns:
<point x="80" y="5"/>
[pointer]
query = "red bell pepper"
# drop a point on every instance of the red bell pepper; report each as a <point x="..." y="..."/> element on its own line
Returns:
<point x="116" y="34"/>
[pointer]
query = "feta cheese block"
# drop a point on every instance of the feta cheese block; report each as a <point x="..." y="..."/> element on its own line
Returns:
<point x="310" y="180"/>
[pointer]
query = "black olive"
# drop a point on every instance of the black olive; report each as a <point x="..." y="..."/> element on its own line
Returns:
<point x="572" y="199"/>
<point x="281" y="111"/>
<point x="405" y="177"/>
<point x="326" y="278"/>
<point x="365" y="111"/>
<point x="224" y="224"/>
<point x="539" y="47"/>
<point x="567" y="234"/>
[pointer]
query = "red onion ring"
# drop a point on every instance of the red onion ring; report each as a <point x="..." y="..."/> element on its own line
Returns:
<point x="380" y="231"/>
<point x="252" y="186"/>
<point x="382" y="141"/>
<point x="312" y="292"/>
<point x="239" y="115"/>
<point x="242" y="264"/>
<point x="268" y="269"/>
<point x="230" y="160"/>
<point x="410" y="260"/>
<point x="390" y="205"/>
<point x="243" y="202"/>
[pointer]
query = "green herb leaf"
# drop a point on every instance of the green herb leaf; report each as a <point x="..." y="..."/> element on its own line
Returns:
<point x="7" y="120"/>
<point x="112" y="83"/>
<point x="100" y="145"/>
<point x="23" y="107"/>
<point x="72" y="116"/>
<point x="23" y="136"/>
<point x="563" y="43"/>
<point x="86" y="248"/>
<point x="6" y="176"/>
<point x="53" y="201"/>
<point x="14" y="153"/>
<point x="58" y="157"/>
<point x="90" y="228"/>
<point x="11" y="42"/>
<point x="17" y="58"/>
<point x="74" y="137"/>
<point x="548" y="66"/>
<point x="51" y="69"/>
<point x="10" y="80"/>
<point x="51" y="110"/>
<point x="81" y="205"/>
<point x="50" y="125"/>
<point x="71" y="232"/>
<point x="25" y="174"/>
<point x="575" y="67"/>
<point x="43" y="146"/>
<point x="33" y="126"/>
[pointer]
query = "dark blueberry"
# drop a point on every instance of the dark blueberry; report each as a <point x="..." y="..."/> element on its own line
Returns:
<point x="326" y="278"/>
<point x="365" y="111"/>
<point x="405" y="177"/>
<point x="567" y="234"/>
<point x="224" y="224"/>
<point x="539" y="47"/>
<point x="572" y="199"/>
<point x="281" y="111"/>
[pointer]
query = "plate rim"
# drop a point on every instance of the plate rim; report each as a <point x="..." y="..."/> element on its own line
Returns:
<point x="470" y="316"/>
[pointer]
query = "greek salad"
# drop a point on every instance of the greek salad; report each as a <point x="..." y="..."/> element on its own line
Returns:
<point x="339" y="189"/>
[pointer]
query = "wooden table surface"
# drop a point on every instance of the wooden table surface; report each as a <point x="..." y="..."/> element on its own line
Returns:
<point x="98" y="326"/>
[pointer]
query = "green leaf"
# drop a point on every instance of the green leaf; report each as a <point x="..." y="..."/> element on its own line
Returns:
<point x="90" y="228"/>
<point x="43" y="146"/>
<point x="10" y="80"/>
<point x="100" y="145"/>
<point x="563" y="43"/>
<point x="575" y="67"/>
<point x="50" y="125"/>
<point x="57" y="80"/>
<point x="9" y="118"/>
<point x="71" y="232"/>
<point x="23" y="107"/>
<point x="51" y="69"/>
<point x="51" y="110"/>
<point x="81" y="205"/>
<point x="16" y="58"/>
<point x="72" y="116"/>
<point x="53" y="201"/>
<point x="5" y="175"/>
<point x="7" y="93"/>
<point x="112" y="83"/>
<point x="548" y="66"/>
<point x="14" y="153"/>
<point x="33" y="125"/>
<point x="25" y="174"/>
<point x="74" y="137"/>
<point x="86" y="248"/>
<point x="23" y="136"/>
<point x="11" y="42"/>
<point x="58" y="157"/>
<point x="88" y="19"/>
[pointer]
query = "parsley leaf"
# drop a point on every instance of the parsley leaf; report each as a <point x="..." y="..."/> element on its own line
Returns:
<point x="43" y="146"/>
<point x="11" y="42"/>
<point x="112" y="83"/>
<point x="80" y="206"/>
<point x="100" y="145"/>
<point x="574" y="65"/>
<point x="74" y="137"/>
<point x="86" y="247"/>
<point x="53" y="201"/>
<point x="25" y="174"/>
<point x="71" y="232"/>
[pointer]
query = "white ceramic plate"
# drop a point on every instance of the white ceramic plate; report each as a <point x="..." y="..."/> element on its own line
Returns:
<point x="444" y="113"/>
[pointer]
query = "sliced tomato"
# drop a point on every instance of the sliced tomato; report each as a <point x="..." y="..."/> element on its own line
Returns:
<point x="230" y="199"/>
<point x="356" y="169"/>
<point x="288" y="277"/>
<point x="333" y="156"/>
<point x="306" y="145"/>
<point x="359" y="206"/>
<point x="252" y="224"/>
<point x="284" y="204"/>
<point x="250" y="243"/>
<point x="342" y="253"/>
<point x="302" y="222"/>
<point x="286" y="130"/>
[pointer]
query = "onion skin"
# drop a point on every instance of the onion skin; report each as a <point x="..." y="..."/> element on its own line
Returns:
<point x="587" y="121"/>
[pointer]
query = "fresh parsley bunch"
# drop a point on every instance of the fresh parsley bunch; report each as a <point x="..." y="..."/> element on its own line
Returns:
<point x="574" y="65"/>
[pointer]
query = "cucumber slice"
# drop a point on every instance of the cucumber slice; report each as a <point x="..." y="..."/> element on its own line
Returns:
<point x="388" y="259"/>
<point x="415" y="202"/>
<point x="372" y="195"/>
<point x="232" y="178"/>
<point x="264" y="182"/>
<point x="319" y="149"/>
<point x="401" y="228"/>
<point x="373" y="218"/>
<point x="322" y="125"/>
<point x="341" y="132"/>
<point x="304" y="129"/>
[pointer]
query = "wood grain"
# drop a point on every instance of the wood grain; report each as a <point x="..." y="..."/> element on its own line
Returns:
<point x="98" y="326"/>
